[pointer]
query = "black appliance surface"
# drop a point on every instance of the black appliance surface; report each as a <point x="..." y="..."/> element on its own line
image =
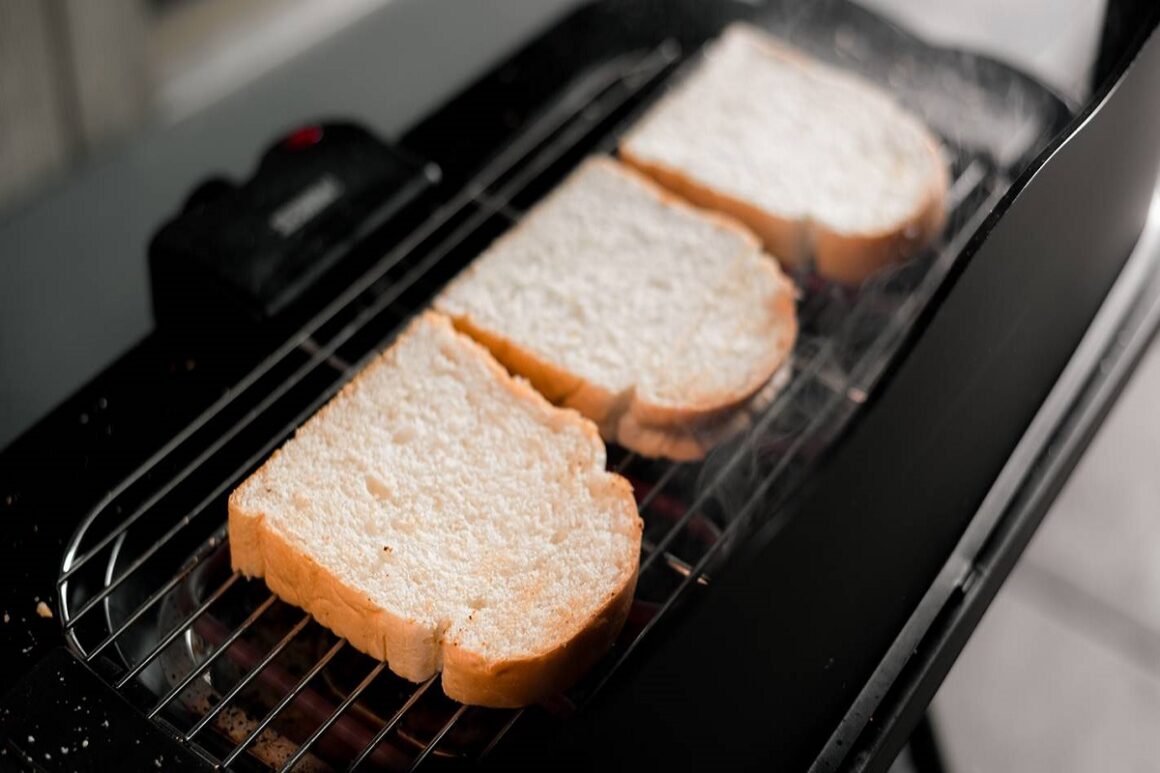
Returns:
<point x="74" y="284"/>
<point x="249" y="251"/>
<point x="825" y="534"/>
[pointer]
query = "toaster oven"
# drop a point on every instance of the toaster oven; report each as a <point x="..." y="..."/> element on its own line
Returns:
<point x="802" y="591"/>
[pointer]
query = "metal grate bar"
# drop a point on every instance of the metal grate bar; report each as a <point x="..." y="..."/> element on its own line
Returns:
<point x="689" y="574"/>
<point x="282" y="704"/>
<point x="571" y="132"/>
<point x="813" y="369"/>
<point x="492" y="204"/>
<point x="565" y="112"/>
<point x="149" y="601"/>
<point x="312" y="348"/>
<point x="624" y="463"/>
<point x="965" y="184"/>
<point x="698" y="568"/>
<point x="168" y="638"/>
<point x="658" y="486"/>
<point x="696" y="572"/>
<point x="318" y="358"/>
<point x="411" y="279"/>
<point x="503" y="163"/>
<point x="179" y="688"/>
<point x="321" y="354"/>
<point x="304" y="747"/>
<point x="390" y="724"/>
<point x="962" y="187"/>
<point x="140" y="560"/>
<point x="318" y="354"/>
<point x="586" y="108"/>
<point x="862" y="378"/>
<point x="678" y="565"/>
<point x="249" y="677"/>
<point x="670" y="600"/>
<point x="430" y="747"/>
<point x="647" y="69"/>
<point x="794" y="387"/>
<point x="503" y="731"/>
<point x="571" y="135"/>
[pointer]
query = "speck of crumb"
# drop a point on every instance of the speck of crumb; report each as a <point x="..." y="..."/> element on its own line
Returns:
<point x="85" y="744"/>
<point x="64" y="750"/>
<point x="6" y="618"/>
<point x="43" y="610"/>
<point x="31" y="739"/>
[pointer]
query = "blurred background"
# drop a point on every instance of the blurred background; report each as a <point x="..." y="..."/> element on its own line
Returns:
<point x="110" y="112"/>
<point x="78" y="78"/>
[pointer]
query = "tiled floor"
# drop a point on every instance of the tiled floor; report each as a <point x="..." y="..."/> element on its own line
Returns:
<point x="1063" y="673"/>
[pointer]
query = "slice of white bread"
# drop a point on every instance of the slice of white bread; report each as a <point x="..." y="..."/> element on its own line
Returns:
<point x="656" y="320"/>
<point x="820" y="163"/>
<point x="441" y="515"/>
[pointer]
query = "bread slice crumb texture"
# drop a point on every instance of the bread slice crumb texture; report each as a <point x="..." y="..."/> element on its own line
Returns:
<point x="763" y="131"/>
<point x="438" y="505"/>
<point x="616" y="298"/>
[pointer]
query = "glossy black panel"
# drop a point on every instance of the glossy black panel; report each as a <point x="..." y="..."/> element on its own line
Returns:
<point x="764" y="669"/>
<point x="773" y="656"/>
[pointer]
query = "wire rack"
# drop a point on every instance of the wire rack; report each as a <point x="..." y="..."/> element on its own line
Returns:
<point x="248" y="682"/>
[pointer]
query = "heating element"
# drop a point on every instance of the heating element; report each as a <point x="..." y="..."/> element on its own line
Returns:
<point x="146" y="594"/>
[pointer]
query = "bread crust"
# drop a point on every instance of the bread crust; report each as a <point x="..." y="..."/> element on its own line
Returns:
<point x="413" y="649"/>
<point x="557" y="385"/>
<point x="848" y="258"/>
<point x="471" y="678"/>
<point x="841" y="256"/>
<point x="782" y="313"/>
<point x="680" y="433"/>
<point x="786" y="240"/>
<point x="296" y="578"/>
<point x="693" y="441"/>
<point x="648" y="427"/>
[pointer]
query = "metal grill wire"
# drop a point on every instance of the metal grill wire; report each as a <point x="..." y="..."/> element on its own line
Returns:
<point x="809" y="408"/>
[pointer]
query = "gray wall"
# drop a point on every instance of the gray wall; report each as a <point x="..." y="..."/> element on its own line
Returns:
<point x="73" y="282"/>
